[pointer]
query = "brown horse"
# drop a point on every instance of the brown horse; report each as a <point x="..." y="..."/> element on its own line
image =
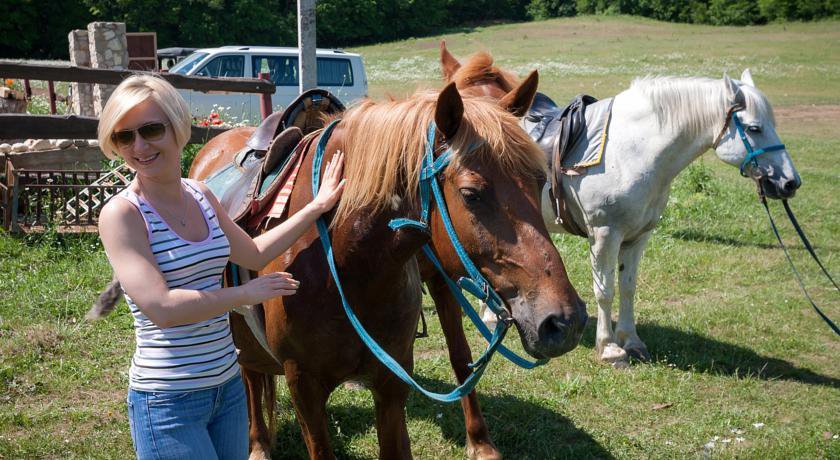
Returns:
<point x="492" y="193"/>
<point x="479" y="78"/>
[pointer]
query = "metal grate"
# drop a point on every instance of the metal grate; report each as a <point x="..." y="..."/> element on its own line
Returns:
<point x="68" y="200"/>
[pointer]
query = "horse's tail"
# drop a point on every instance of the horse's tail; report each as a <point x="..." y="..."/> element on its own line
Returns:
<point x="270" y="404"/>
<point x="261" y="390"/>
<point x="106" y="302"/>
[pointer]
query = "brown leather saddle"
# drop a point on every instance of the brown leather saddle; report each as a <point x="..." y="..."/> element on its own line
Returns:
<point x="248" y="185"/>
<point x="557" y="130"/>
<point x="247" y="188"/>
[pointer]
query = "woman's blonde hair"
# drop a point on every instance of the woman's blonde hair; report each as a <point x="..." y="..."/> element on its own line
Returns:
<point x="133" y="91"/>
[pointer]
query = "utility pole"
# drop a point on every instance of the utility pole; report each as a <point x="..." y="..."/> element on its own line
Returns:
<point x="306" y="45"/>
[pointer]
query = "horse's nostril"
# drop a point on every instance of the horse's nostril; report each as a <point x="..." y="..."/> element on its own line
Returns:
<point x="553" y="329"/>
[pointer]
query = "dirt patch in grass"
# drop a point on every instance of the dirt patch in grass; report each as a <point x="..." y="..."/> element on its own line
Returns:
<point x="809" y="119"/>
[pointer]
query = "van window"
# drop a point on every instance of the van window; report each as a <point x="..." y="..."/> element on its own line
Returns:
<point x="283" y="70"/>
<point x="188" y="63"/>
<point x="224" y="66"/>
<point x="334" y="72"/>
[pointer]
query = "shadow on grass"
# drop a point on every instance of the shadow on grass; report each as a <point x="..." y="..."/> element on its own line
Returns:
<point x="520" y="428"/>
<point x="699" y="353"/>
<point x="703" y="237"/>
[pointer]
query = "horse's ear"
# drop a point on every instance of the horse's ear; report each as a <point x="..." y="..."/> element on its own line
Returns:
<point x="746" y="78"/>
<point x="448" y="64"/>
<point x="449" y="111"/>
<point x="735" y="96"/>
<point x="519" y="99"/>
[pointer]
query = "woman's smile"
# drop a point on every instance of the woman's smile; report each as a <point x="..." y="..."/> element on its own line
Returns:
<point x="148" y="159"/>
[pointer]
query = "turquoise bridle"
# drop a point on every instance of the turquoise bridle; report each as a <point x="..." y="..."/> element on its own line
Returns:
<point x="752" y="154"/>
<point x="474" y="282"/>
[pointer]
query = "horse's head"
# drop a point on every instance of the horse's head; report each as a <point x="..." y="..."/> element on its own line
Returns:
<point x="749" y="140"/>
<point x="492" y="192"/>
<point x="491" y="188"/>
<point x="500" y="203"/>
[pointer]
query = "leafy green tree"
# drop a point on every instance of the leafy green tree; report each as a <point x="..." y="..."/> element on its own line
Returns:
<point x="734" y="12"/>
<point x="33" y="29"/>
<point x="544" y="9"/>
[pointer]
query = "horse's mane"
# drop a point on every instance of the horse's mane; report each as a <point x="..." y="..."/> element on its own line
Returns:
<point x="479" y="67"/>
<point x="697" y="104"/>
<point x="384" y="143"/>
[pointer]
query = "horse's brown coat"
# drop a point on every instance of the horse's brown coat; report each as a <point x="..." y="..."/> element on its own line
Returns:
<point x="310" y="332"/>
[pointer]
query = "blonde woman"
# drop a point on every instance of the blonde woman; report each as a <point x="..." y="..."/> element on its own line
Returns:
<point x="168" y="240"/>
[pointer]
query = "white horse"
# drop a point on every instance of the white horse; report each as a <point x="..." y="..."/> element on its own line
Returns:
<point x="658" y="127"/>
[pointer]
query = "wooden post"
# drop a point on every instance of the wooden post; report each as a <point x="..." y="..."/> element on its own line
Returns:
<point x="306" y="45"/>
<point x="265" y="98"/>
<point x="51" y="87"/>
<point x="27" y="89"/>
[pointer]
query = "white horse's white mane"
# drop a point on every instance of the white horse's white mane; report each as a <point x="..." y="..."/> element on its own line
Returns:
<point x="697" y="104"/>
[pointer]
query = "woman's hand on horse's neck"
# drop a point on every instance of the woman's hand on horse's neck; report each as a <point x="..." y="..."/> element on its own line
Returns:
<point x="256" y="253"/>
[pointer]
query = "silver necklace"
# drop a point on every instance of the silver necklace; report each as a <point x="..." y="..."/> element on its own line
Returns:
<point x="183" y="217"/>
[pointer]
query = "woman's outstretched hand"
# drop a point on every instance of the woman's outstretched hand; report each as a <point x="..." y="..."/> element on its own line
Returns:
<point x="268" y="286"/>
<point x="331" y="184"/>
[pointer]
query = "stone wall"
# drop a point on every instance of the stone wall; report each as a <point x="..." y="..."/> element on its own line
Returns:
<point x="102" y="45"/>
<point x="80" y="56"/>
<point x="108" y="50"/>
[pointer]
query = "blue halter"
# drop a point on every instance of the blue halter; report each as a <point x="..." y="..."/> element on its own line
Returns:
<point x="476" y="284"/>
<point x="750" y="157"/>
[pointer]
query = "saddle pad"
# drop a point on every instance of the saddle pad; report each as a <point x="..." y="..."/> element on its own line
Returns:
<point x="282" y="197"/>
<point x="597" y="126"/>
<point x="222" y="180"/>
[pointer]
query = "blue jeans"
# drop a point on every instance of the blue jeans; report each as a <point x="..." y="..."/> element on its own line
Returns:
<point x="203" y="424"/>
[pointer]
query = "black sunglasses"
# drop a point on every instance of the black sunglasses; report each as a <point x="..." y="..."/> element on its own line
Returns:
<point x="150" y="132"/>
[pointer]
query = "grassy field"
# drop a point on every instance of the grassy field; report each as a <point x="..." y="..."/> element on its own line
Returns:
<point x="743" y="368"/>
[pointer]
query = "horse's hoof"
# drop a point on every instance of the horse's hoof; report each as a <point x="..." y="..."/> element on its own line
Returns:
<point x="354" y="385"/>
<point x="620" y="364"/>
<point x="612" y="353"/>
<point x="483" y="451"/>
<point x="639" y="353"/>
<point x="258" y="452"/>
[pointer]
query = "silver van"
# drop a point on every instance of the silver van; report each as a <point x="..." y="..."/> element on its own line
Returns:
<point x="341" y="73"/>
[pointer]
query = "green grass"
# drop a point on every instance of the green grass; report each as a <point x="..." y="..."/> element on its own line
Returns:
<point x="733" y="340"/>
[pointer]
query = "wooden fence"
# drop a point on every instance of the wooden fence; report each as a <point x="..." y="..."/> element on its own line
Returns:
<point x="34" y="197"/>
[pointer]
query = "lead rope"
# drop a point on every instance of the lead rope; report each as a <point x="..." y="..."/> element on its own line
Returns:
<point x="478" y="367"/>
<point x="790" y="261"/>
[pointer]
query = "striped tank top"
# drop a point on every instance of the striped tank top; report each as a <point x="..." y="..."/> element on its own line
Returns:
<point x="191" y="356"/>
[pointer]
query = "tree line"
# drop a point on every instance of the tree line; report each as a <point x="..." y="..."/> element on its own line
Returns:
<point x="38" y="30"/>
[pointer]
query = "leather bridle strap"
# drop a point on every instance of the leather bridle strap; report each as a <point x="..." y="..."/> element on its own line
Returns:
<point x="726" y="119"/>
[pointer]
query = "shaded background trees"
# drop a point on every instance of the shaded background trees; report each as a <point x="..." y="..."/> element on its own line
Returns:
<point x="38" y="29"/>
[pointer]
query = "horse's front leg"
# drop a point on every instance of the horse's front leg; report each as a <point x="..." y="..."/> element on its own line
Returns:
<point x="629" y="257"/>
<point x="309" y="398"/>
<point x="479" y="444"/>
<point x="389" y="396"/>
<point x="604" y="247"/>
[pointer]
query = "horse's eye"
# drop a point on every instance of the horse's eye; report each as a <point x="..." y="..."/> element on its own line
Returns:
<point x="471" y="195"/>
<point x="754" y="129"/>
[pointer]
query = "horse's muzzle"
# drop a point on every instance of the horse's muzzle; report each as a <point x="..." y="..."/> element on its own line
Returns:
<point x="559" y="333"/>
<point x="779" y="187"/>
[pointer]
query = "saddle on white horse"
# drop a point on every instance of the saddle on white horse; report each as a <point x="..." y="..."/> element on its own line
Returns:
<point x="582" y="127"/>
